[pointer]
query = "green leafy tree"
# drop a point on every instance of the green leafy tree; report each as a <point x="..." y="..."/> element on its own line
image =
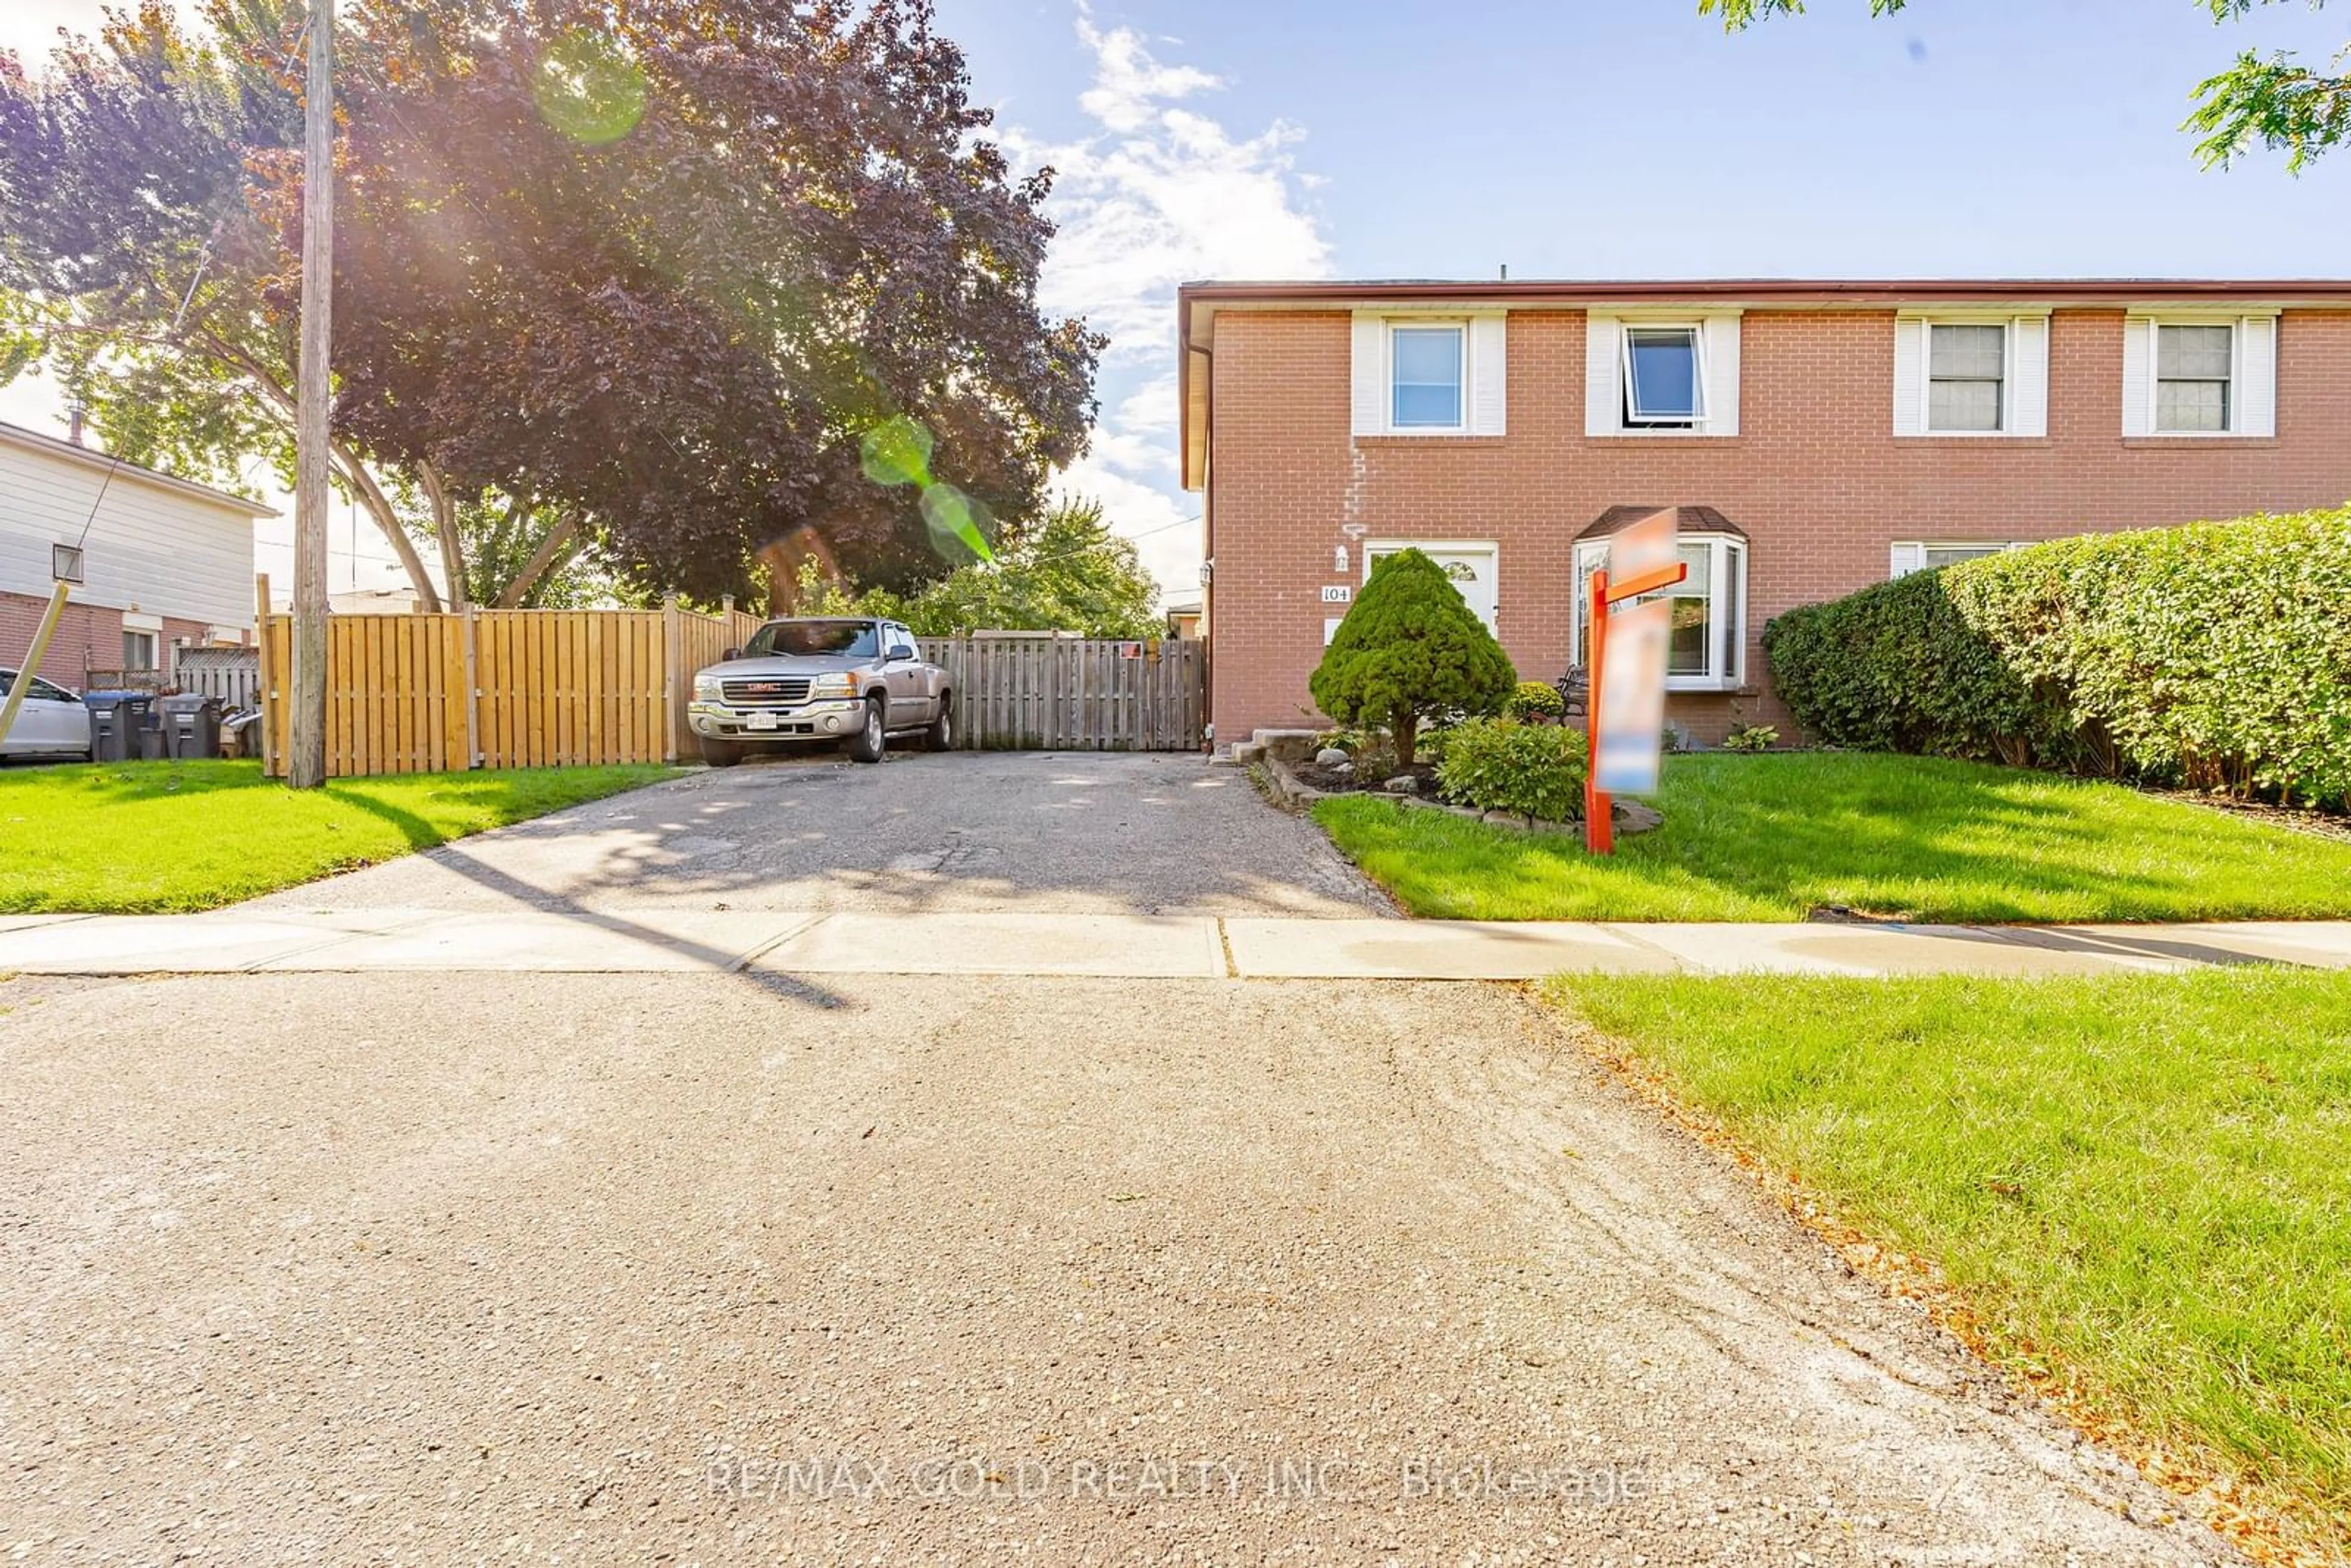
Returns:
<point x="2278" y="102"/>
<point x="1410" y="647"/>
<point x="1071" y="573"/>
<point x="631" y="276"/>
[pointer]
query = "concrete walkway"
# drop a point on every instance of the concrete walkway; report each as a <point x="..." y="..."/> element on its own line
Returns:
<point x="1146" y="947"/>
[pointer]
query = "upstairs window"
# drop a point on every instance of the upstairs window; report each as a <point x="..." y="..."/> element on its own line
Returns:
<point x="2194" y="369"/>
<point x="1424" y="377"/>
<point x="1663" y="380"/>
<point x="2199" y="375"/>
<point x="1966" y="376"/>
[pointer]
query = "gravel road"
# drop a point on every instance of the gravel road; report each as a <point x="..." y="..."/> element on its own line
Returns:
<point x="1146" y="833"/>
<point x="441" y="1269"/>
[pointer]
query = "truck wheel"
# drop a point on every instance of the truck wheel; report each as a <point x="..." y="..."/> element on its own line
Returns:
<point x="721" y="753"/>
<point x="869" y="742"/>
<point x="940" y="736"/>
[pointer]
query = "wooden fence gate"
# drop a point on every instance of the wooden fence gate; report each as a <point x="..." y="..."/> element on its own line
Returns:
<point x="1070" y="694"/>
<point x="538" y="688"/>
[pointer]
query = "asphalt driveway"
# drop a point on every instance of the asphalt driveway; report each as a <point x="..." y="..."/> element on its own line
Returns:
<point x="1146" y="833"/>
<point x="727" y="1269"/>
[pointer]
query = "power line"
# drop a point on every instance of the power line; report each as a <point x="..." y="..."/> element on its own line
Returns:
<point x="179" y="318"/>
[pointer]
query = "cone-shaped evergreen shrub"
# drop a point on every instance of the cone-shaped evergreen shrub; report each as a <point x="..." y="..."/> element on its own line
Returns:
<point x="1410" y="647"/>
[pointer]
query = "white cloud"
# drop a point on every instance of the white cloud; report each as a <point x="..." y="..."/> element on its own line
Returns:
<point x="1158" y="194"/>
<point x="1127" y="80"/>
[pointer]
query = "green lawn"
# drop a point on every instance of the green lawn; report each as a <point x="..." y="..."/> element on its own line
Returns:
<point x="2147" y="1177"/>
<point x="1768" y="838"/>
<point x="144" y="837"/>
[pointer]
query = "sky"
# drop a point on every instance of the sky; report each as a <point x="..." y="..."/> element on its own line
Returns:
<point x="1310" y="138"/>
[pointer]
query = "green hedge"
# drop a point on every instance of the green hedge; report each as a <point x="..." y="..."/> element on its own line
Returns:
<point x="2216" y="654"/>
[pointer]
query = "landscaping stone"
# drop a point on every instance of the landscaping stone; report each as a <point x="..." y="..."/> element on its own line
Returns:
<point x="1403" y="784"/>
<point x="1332" y="756"/>
<point x="1515" y="821"/>
<point x="1632" y="816"/>
<point x="1343" y="767"/>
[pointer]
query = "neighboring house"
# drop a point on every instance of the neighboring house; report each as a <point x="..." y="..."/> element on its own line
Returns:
<point x="1819" y="436"/>
<point x="402" y="601"/>
<point x="1184" y="619"/>
<point x="164" y="562"/>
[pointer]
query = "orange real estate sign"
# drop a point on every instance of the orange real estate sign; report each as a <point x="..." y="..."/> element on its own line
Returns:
<point x="1627" y="706"/>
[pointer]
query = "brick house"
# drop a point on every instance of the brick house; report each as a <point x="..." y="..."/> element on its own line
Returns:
<point x="1821" y="436"/>
<point x="166" y="563"/>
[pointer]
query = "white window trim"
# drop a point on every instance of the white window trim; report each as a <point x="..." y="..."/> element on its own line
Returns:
<point x="132" y="621"/>
<point x="1607" y="364"/>
<point x="1624" y="330"/>
<point x="1485" y="371"/>
<point x="2007" y="423"/>
<point x="1917" y="549"/>
<point x="1490" y="549"/>
<point x="1389" y="326"/>
<point x="1723" y="547"/>
<point x="2151" y="321"/>
<point x="2014" y="396"/>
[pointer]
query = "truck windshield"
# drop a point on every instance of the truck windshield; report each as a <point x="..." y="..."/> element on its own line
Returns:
<point x="852" y="637"/>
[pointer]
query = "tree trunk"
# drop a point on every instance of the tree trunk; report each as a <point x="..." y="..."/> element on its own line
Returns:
<point x="445" y="530"/>
<point x="387" y="521"/>
<point x="353" y="470"/>
<point x="1405" y="725"/>
<point x="542" y="559"/>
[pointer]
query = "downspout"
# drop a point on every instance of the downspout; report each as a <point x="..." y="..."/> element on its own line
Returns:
<point x="1209" y="544"/>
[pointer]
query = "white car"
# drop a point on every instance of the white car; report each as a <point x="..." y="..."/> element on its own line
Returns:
<point x="51" y="725"/>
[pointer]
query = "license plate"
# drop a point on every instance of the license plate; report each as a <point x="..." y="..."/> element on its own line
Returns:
<point x="763" y="721"/>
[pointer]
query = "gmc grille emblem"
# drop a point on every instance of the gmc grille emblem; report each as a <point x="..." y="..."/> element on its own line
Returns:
<point x="765" y="686"/>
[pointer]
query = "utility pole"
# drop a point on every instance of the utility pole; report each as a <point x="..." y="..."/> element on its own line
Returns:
<point x="306" y="758"/>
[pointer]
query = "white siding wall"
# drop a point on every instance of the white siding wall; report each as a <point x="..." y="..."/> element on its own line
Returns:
<point x="151" y="548"/>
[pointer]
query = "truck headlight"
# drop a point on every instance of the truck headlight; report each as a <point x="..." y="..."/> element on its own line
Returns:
<point x="841" y="685"/>
<point x="706" y="688"/>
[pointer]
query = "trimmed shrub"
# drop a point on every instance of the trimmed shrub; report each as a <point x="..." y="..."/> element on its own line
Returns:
<point x="1535" y="702"/>
<point x="1502" y="764"/>
<point x="2216" y="654"/>
<point x="1410" y="648"/>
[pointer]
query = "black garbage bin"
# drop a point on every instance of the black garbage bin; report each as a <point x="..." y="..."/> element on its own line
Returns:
<point x="116" y="719"/>
<point x="190" y="726"/>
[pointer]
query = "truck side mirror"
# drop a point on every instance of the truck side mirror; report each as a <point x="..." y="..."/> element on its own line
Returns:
<point x="726" y="654"/>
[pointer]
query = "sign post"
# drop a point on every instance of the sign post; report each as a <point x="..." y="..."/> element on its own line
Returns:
<point x="1625" y="708"/>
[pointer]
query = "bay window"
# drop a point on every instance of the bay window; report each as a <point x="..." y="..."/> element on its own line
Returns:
<point x="1707" y="652"/>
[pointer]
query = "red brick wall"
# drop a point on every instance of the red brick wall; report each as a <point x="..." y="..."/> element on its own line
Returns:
<point x="1816" y="477"/>
<point x="87" y="637"/>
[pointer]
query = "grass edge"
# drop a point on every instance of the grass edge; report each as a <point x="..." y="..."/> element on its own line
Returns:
<point x="2260" y="1521"/>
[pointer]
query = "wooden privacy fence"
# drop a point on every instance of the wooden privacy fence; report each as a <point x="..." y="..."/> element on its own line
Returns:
<point x="1070" y="694"/>
<point x="535" y="688"/>
<point x="500" y="688"/>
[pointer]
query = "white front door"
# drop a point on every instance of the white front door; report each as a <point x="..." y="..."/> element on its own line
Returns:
<point x="1473" y="568"/>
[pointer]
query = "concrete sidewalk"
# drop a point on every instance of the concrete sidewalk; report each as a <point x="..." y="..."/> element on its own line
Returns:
<point x="668" y="939"/>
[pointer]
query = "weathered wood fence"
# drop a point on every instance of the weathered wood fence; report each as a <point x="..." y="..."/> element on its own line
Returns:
<point x="1071" y="694"/>
<point x="230" y="677"/>
<point x="536" y="688"/>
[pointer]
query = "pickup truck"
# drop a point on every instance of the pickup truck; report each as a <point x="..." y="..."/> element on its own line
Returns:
<point x="847" y="681"/>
